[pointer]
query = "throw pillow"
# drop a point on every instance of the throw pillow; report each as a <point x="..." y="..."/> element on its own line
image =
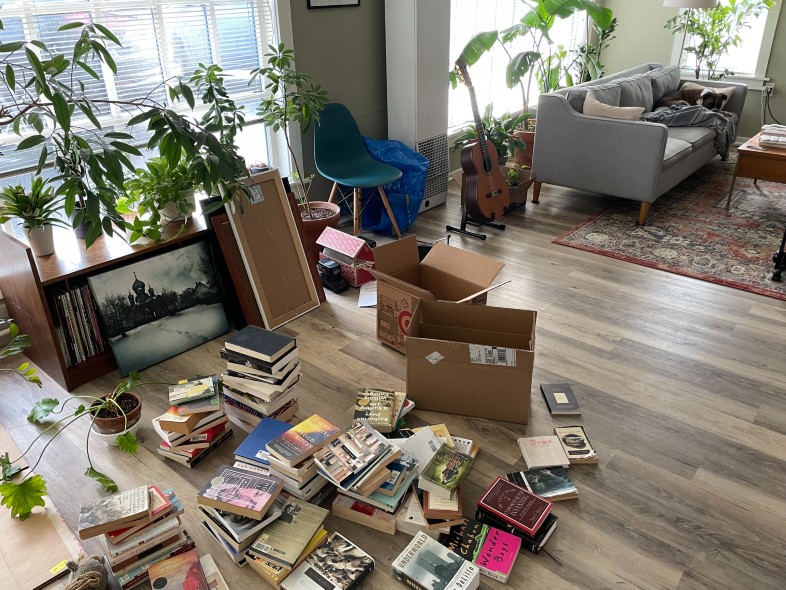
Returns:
<point x="636" y="91"/>
<point x="664" y="80"/>
<point x="606" y="93"/>
<point x="728" y="91"/>
<point x="592" y="106"/>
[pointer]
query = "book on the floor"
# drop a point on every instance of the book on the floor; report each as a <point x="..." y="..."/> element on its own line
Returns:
<point x="466" y="445"/>
<point x="422" y="446"/>
<point x="215" y="581"/>
<point x="131" y="507"/>
<point x="271" y="368"/>
<point x="268" y="374"/>
<point x="136" y="573"/>
<point x="197" y="441"/>
<point x="190" y="391"/>
<point x="355" y="451"/>
<point x="532" y="543"/>
<point x="427" y="564"/>
<point x="377" y="408"/>
<point x="515" y="505"/>
<point x="493" y="550"/>
<point x="204" y="422"/>
<point x="398" y="469"/>
<point x="410" y="519"/>
<point x="172" y="421"/>
<point x="239" y="411"/>
<point x="542" y="451"/>
<point x="445" y="508"/>
<point x="303" y="440"/>
<point x="143" y="543"/>
<point x="576" y="444"/>
<point x="445" y="472"/>
<point x="337" y="564"/>
<point x="382" y="501"/>
<point x="253" y="449"/>
<point x="552" y="483"/>
<point x="203" y="405"/>
<point x="363" y="513"/>
<point x="182" y="572"/>
<point x="160" y="506"/>
<point x="275" y="572"/>
<point x="237" y="555"/>
<point x="194" y="457"/>
<point x="560" y="399"/>
<point x="259" y="387"/>
<point x="440" y="431"/>
<point x="286" y="538"/>
<point x="259" y="343"/>
<point x="266" y="408"/>
<point x="238" y="530"/>
<point x="240" y="491"/>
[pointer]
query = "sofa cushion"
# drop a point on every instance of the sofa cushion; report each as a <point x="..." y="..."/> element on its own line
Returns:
<point x="664" y="80"/>
<point x="636" y="91"/>
<point x="696" y="136"/>
<point x="676" y="150"/>
<point x="592" y="106"/>
<point x="606" y="93"/>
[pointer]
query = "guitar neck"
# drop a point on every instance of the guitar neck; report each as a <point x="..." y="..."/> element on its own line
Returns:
<point x="478" y="122"/>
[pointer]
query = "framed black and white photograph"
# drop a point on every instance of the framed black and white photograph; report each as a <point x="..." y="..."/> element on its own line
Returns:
<point x="159" y="307"/>
<point x="332" y="3"/>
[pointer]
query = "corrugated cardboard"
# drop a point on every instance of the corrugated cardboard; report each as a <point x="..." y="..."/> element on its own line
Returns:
<point x="353" y="254"/>
<point x="442" y="376"/>
<point x="446" y="273"/>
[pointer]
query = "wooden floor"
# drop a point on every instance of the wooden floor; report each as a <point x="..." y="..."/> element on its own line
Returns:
<point x="682" y="384"/>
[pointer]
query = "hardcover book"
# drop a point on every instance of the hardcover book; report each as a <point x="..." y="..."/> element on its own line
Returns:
<point x="109" y="513"/>
<point x="410" y="519"/>
<point x="259" y="387"/>
<point x="542" y="451"/>
<point x="303" y="440"/>
<point x="377" y="408"/>
<point x="337" y="564"/>
<point x="275" y="572"/>
<point x="204" y="422"/>
<point x="444" y="472"/>
<point x="286" y="538"/>
<point x="233" y="358"/>
<point x="259" y="343"/>
<point x="576" y="444"/>
<point x="515" y="505"/>
<point x="240" y="492"/>
<point x="192" y="390"/>
<point x="532" y="544"/>
<point x="552" y="483"/>
<point x="253" y="449"/>
<point x="182" y="572"/>
<point x="363" y="513"/>
<point x="425" y="564"/>
<point x="560" y="399"/>
<point x="494" y="551"/>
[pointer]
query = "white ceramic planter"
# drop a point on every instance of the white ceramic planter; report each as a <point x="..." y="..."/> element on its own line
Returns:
<point x="170" y="212"/>
<point x="42" y="242"/>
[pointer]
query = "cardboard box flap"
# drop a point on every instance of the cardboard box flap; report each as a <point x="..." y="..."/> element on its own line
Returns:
<point x="487" y="318"/>
<point x="471" y="297"/>
<point x="396" y="256"/>
<point x="402" y="285"/>
<point x="470" y="336"/>
<point x="345" y="244"/>
<point x="462" y="264"/>
<point x="421" y="352"/>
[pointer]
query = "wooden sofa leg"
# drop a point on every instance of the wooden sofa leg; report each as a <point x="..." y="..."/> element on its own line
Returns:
<point x="644" y="212"/>
<point x="536" y="192"/>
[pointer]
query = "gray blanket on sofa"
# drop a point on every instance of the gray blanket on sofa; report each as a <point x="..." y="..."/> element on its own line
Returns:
<point x="697" y="116"/>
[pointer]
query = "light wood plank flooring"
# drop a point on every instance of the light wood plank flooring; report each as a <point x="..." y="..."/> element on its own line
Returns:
<point x="682" y="386"/>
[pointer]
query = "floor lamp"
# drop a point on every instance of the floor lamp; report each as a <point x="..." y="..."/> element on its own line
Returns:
<point x="689" y="5"/>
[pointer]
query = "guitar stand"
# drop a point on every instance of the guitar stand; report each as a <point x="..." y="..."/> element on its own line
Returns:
<point x="467" y="220"/>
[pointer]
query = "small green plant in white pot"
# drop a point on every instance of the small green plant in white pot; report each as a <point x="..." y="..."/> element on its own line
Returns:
<point x="38" y="209"/>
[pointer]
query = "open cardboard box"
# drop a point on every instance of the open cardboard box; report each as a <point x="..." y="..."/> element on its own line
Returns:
<point x="471" y="360"/>
<point x="353" y="255"/>
<point x="446" y="273"/>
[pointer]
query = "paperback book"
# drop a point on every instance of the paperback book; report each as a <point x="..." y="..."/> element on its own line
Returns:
<point x="494" y="551"/>
<point x="286" y="538"/>
<point x="576" y="444"/>
<point x="337" y="564"/>
<point x="532" y="543"/>
<point x="303" y="440"/>
<point x="363" y="513"/>
<point x="425" y="564"/>
<point x="445" y="472"/>
<point x="377" y="408"/>
<point x="551" y="482"/>
<point x="560" y="399"/>
<point x="253" y="449"/>
<point x="543" y="451"/>
<point x="237" y="529"/>
<point x="240" y="492"/>
<point x="182" y="572"/>
<point x="351" y="454"/>
<point x="162" y="505"/>
<point x="191" y="391"/>
<point x="215" y="581"/>
<point x="109" y="513"/>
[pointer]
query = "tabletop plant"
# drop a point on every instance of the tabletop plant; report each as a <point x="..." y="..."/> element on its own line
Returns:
<point x="16" y="345"/>
<point x="22" y="496"/>
<point x="499" y="130"/>
<point x="37" y="207"/>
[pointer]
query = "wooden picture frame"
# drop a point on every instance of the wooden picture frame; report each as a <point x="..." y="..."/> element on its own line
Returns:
<point x="272" y="252"/>
<point x="333" y="3"/>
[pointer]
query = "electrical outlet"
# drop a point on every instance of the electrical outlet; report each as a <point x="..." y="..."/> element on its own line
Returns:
<point x="768" y="88"/>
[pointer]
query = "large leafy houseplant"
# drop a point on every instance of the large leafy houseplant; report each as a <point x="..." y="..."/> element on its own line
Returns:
<point x="714" y="31"/>
<point x="25" y="494"/>
<point x="16" y="345"/>
<point x="498" y="130"/>
<point x="586" y="57"/>
<point x="53" y="111"/>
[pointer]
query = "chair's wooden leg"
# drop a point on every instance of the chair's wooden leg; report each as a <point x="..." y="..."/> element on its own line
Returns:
<point x="644" y="212"/>
<point x="333" y="192"/>
<point x="390" y="211"/>
<point x="536" y="192"/>
<point x="356" y="210"/>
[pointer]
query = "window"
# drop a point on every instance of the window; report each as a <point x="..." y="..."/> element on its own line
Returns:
<point x="160" y="39"/>
<point x="470" y="17"/>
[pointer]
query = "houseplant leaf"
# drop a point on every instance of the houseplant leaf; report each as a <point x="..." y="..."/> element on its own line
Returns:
<point x="22" y="497"/>
<point x="477" y="46"/>
<point x="106" y="482"/>
<point x="8" y="468"/>
<point x="41" y="409"/>
<point x="127" y="442"/>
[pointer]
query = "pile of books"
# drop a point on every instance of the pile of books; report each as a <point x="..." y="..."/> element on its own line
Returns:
<point x="77" y="325"/>
<point x="262" y="370"/>
<point x="139" y="528"/>
<point x="238" y="504"/>
<point x="773" y="136"/>
<point x="195" y="424"/>
<point x="427" y="564"/>
<point x="187" y="570"/>
<point x="382" y="409"/>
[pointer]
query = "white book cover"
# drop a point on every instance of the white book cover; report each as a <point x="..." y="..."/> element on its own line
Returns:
<point x="422" y="446"/>
<point x="429" y="564"/>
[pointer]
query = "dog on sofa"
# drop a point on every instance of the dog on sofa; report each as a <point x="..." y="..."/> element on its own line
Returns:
<point x="705" y="97"/>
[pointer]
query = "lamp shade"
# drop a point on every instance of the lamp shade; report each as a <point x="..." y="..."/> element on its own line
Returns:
<point x="690" y="3"/>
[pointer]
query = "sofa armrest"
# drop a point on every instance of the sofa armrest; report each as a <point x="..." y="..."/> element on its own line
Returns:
<point x="737" y="100"/>
<point x="598" y="154"/>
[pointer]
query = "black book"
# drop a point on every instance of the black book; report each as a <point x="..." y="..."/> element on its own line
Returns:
<point x="257" y="365"/>
<point x="532" y="544"/>
<point x="560" y="398"/>
<point x="260" y="344"/>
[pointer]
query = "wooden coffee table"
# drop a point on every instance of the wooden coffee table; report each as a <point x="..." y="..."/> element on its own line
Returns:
<point x="758" y="163"/>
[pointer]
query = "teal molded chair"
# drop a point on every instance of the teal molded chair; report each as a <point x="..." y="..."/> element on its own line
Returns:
<point x="341" y="156"/>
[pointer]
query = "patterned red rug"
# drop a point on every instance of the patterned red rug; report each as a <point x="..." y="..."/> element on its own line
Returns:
<point x="689" y="231"/>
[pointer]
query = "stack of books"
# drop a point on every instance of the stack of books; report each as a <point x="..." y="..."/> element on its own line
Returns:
<point x="427" y="564"/>
<point x="773" y="136"/>
<point x="262" y="370"/>
<point x="336" y="564"/>
<point x="382" y="409"/>
<point x="139" y="528"/>
<point x="494" y="551"/>
<point x="512" y="509"/>
<point x="195" y="424"/>
<point x="237" y="505"/>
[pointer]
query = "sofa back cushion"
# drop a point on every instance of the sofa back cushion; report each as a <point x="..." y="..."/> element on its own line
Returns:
<point x="636" y="91"/>
<point x="664" y="80"/>
<point x="606" y="93"/>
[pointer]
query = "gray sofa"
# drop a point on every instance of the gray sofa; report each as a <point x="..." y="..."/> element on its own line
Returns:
<point x="629" y="159"/>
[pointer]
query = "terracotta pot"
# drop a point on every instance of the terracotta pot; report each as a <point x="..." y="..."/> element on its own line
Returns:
<point x="313" y="228"/>
<point x="118" y="425"/>
<point x="524" y="158"/>
<point x="42" y="241"/>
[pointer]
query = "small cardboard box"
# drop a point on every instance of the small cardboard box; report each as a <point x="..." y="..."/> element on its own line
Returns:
<point x="471" y="360"/>
<point x="446" y="274"/>
<point x="353" y="254"/>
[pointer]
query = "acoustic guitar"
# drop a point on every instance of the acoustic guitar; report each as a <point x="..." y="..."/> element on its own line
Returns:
<point x="485" y="191"/>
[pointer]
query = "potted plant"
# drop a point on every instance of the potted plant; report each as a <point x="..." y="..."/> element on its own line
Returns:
<point x="114" y="414"/>
<point x="16" y="345"/>
<point x="292" y="98"/>
<point x="37" y="209"/>
<point x="501" y="131"/>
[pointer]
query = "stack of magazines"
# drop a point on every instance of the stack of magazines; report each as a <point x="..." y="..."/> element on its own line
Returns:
<point x="773" y="136"/>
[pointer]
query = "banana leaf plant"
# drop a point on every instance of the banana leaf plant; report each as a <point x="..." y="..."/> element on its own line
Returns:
<point x="500" y="131"/>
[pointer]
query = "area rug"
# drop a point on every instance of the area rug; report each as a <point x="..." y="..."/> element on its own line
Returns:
<point x="689" y="231"/>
